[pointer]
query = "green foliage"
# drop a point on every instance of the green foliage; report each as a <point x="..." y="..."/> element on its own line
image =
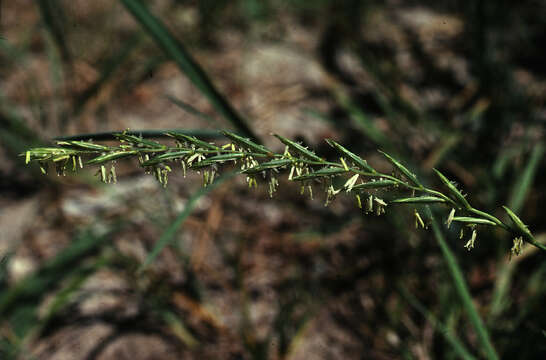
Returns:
<point x="170" y="232"/>
<point x="175" y="50"/>
<point x="305" y="167"/>
<point x="20" y="304"/>
<point x="462" y="289"/>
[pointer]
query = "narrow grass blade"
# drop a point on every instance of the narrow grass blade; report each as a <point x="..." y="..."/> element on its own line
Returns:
<point x="447" y="143"/>
<point x="325" y="172"/>
<point x="299" y="148"/>
<point x="168" y="235"/>
<point x="246" y="143"/>
<point x="82" y="145"/>
<point x="109" y="157"/>
<point x="503" y="160"/>
<point x="170" y="156"/>
<point x="418" y="200"/>
<point x="519" y="193"/>
<point x="176" y="51"/>
<point x="408" y="174"/>
<point x="500" y="299"/>
<point x="520" y="226"/>
<point x="191" y="110"/>
<point x="21" y="304"/>
<point x="525" y="181"/>
<point x="462" y="290"/>
<point x="319" y="116"/>
<point x="53" y="16"/>
<point x="453" y="189"/>
<point x="451" y="338"/>
<point x="523" y="230"/>
<point x="36" y="285"/>
<point x="177" y="326"/>
<point x="473" y="220"/>
<point x="363" y="164"/>
<point x="375" y="184"/>
<point x="363" y="121"/>
<point x="65" y="295"/>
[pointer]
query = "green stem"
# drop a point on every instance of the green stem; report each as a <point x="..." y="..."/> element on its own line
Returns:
<point x="531" y="240"/>
<point x="175" y="50"/>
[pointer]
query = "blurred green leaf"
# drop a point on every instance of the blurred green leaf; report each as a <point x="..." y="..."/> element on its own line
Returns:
<point x="176" y="51"/>
<point x="519" y="193"/>
<point x="364" y="121"/>
<point x="525" y="181"/>
<point x="53" y="16"/>
<point x="462" y="290"/>
<point x="451" y="338"/>
<point x="169" y="234"/>
<point x="19" y="304"/>
<point x="35" y="286"/>
<point x="191" y="110"/>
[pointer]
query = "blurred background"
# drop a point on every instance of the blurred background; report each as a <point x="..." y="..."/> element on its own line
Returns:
<point x="454" y="85"/>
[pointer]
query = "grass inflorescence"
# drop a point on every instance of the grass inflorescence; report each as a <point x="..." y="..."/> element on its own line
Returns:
<point x="364" y="182"/>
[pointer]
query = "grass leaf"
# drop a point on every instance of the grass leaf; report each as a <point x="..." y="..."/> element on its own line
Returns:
<point x="520" y="226"/>
<point x="168" y="235"/>
<point x="190" y="109"/>
<point x="525" y="181"/>
<point x="453" y="189"/>
<point x="176" y="51"/>
<point x="473" y="220"/>
<point x="418" y="200"/>
<point x="300" y="149"/>
<point x="450" y="337"/>
<point x="246" y="143"/>
<point x="363" y="164"/>
<point x="462" y="290"/>
<point x="109" y="157"/>
<point x="170" y="156"/>
<point x="408" y="174"/>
